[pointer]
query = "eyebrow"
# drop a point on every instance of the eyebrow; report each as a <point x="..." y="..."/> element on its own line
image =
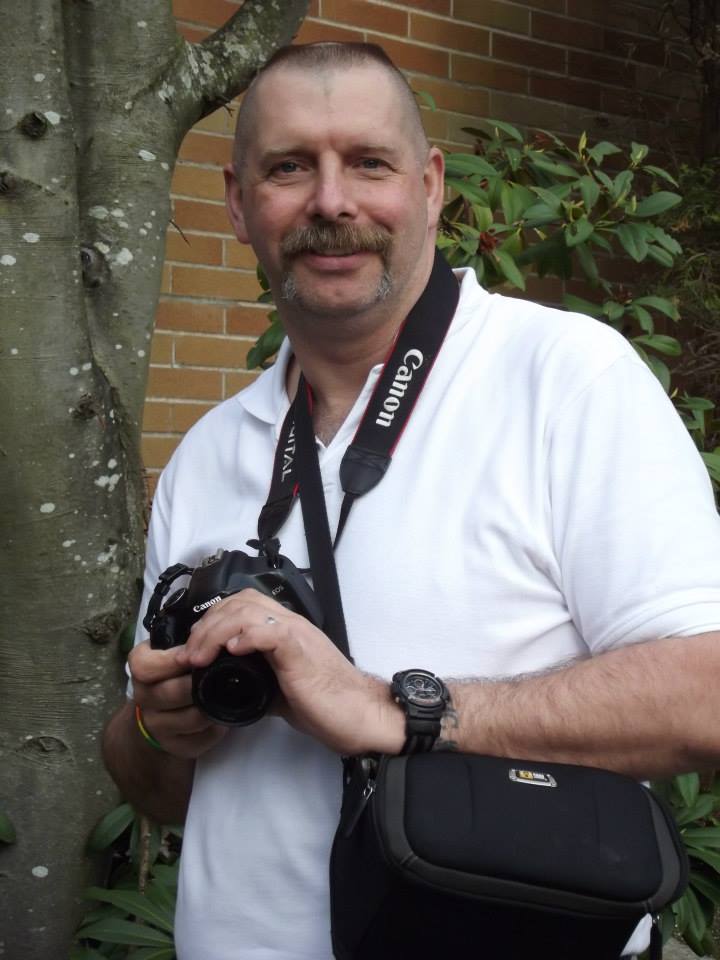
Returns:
<point x="361" y="149"/>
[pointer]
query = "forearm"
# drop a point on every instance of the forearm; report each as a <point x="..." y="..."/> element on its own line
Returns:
<point x="646" y="710"/>
<point x="155" y="783"/>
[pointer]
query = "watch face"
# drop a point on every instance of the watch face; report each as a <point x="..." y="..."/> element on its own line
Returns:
<point x="423" y="690"/>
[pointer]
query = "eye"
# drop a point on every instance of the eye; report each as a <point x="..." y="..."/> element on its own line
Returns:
<point x="372" y="163"/>
<point x="284" y="168"/>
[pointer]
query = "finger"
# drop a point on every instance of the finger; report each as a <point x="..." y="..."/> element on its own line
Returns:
<point x="204" y="646"/>
<point x="165" y="695"/>
<point x="184" y="722"/>
<point x="152" y="666"/>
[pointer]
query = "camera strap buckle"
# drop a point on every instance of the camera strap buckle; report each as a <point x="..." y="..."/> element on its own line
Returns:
<point x="165" y="581"/>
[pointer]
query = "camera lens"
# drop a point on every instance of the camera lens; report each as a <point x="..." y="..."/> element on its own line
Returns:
<point x="235" y="690"/>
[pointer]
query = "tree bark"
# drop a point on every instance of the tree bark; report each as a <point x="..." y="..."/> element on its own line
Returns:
<point x="89" y="132"/>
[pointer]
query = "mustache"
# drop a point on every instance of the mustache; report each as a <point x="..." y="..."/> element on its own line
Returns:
<point x="341" y="238"/>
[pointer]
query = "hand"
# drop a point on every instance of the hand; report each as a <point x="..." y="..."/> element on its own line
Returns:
<point x="323" y="694"/>
<point x="162" y="690"/>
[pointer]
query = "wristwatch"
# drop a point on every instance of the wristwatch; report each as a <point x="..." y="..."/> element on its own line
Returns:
<point x="424" y="698"/>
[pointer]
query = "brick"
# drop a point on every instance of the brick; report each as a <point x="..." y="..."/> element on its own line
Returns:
<point x="191" y="181"/>
<point x="161" y="348"/>
<point x="198" y="147"/>
<point x="157" y="416"/>
<point x="192" y="33"/>
<point x="602" y="69"/>
<point x="166" y="279"/>
<point x="156" y="451"/>
<point x="554" y="6"/>
<point x="613" y="13"/>
<point x="485" y="73"/>
<point x="190" y="384"/>
<point x="214" y="284"/>
<point x="451" y="36"/>
<point x="434" y="124"/>
<point x="529" y="113"/>
<point x="192" y="317"/>
<point x="210" y="352"/>
<point x="528" y="53"/>
<point x="198" y="215"/>
<point x="367" y="15"/>
<point x="570" y="33"/>
<point x="247" y="321"/>
<point x="193" y="248"/>
<point x="456" y="134"/>
<point x="184" y="415"/>
<point x="628" y="45"/>
<point x="312" y="32"/>
<point x="219" y="121"/>
<point x="239" y="255"/>
<point x="456" y="97"/>
<point x="409" y="56"/>
<point x="208" y="12"/>
<point x="566" y="91"/>
<point x="314" y="8"/>
<point x="494" y="13"/>
<point x="433" y="6"/>
<point x="235" y="382"/>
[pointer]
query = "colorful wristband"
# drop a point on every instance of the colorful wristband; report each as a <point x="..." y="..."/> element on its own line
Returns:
<point x="143" y="730"/>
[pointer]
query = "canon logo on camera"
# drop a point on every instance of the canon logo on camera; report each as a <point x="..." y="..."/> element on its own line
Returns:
<point x="198" y="608"/>
<point x="412" y="361"/>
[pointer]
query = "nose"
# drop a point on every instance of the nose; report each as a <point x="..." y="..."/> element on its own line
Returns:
<point x="332" y="197"/>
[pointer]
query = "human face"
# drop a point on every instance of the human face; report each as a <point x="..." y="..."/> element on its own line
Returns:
<point x="336" y="196"/>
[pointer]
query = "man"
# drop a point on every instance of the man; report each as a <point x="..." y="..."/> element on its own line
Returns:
<point x="544" y="515"/>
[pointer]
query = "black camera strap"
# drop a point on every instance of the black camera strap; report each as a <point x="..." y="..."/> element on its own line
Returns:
<point x="296" y="470"/>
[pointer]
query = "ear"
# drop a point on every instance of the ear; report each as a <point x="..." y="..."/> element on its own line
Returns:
<point x="233" y="203"/>
<point x="434" y="179"/>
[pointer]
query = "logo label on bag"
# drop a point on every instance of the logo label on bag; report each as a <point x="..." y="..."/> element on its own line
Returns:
<point x="533" y="777"/>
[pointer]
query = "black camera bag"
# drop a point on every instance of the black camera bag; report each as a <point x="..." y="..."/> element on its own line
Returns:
<point x="450" y="855"/>
<point x="453" y="855"/>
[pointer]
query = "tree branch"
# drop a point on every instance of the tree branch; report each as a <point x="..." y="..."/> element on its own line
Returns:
<point x="211" y="73"/>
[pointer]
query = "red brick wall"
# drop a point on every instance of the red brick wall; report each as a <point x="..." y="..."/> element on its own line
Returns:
<point x="565" y="65"/>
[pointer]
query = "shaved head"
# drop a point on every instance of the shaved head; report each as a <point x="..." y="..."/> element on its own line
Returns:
<point x="324" y="58"/>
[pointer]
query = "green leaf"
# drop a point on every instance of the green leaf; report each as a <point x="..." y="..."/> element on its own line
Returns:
<point x="267" y="344"/>
<point x="659" y="172"/>
<point x="427" y="98"/>
<point x="706" y="837"/>
<point x="712" y="462"/>
<point x="696" y="918"/>
<point x="621" y="184"/>
<point x="551" y="166"/>
<point x="508" y="129"/>
<point x="86" y="953"/>
<point x="483" y="217"/>
<point x="664" y="239"/>
<point x="588" y="263"/>
<point x="135" y="903"/>
<point x="125" y="932"/>
<point x="578" y="232"/>
<point x="602" y="150"/>
<point x="613" y="311"/>
<point x="688" y="786"/>
<point x="154" y="953"/>
<point x="633" y="241"/>
<point x="467" y="164"/>
<point x="660" y="256"/>
<point x="508" y="268"/>
<point x="468" y="190"/>
<point x="604" y="179"/>
<point x="638" y="152"/>
<point x="661" y="304"/>
<point x="662" y="343"/>
<point x="706" y="803"/>
<point x="660" y="369"/>
<point x="708" y="886"/>
<point x="590" y="192"/>
<point x="578" y="305"/>
<point x="697" y="403"/>
<point x="7" y="830"/>
<point x="657" y="203"/>
<point x="515" y="199"/>
<point x="110" y="828"/>
<point x="643" y="317"/>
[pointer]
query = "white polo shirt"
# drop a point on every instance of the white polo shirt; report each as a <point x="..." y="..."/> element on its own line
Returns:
<point x="544" y="503"/>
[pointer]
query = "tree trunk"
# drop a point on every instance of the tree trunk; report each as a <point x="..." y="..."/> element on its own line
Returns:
<point x="97" y="98"/>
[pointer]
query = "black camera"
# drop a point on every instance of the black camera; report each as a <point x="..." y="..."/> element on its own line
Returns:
<point x="234" y="690"/>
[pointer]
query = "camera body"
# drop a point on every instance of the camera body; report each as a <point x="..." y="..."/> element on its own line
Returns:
<point x="234" y="690"/>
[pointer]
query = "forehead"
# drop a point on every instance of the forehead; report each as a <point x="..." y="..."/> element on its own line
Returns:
<point x="351" y="103"/>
